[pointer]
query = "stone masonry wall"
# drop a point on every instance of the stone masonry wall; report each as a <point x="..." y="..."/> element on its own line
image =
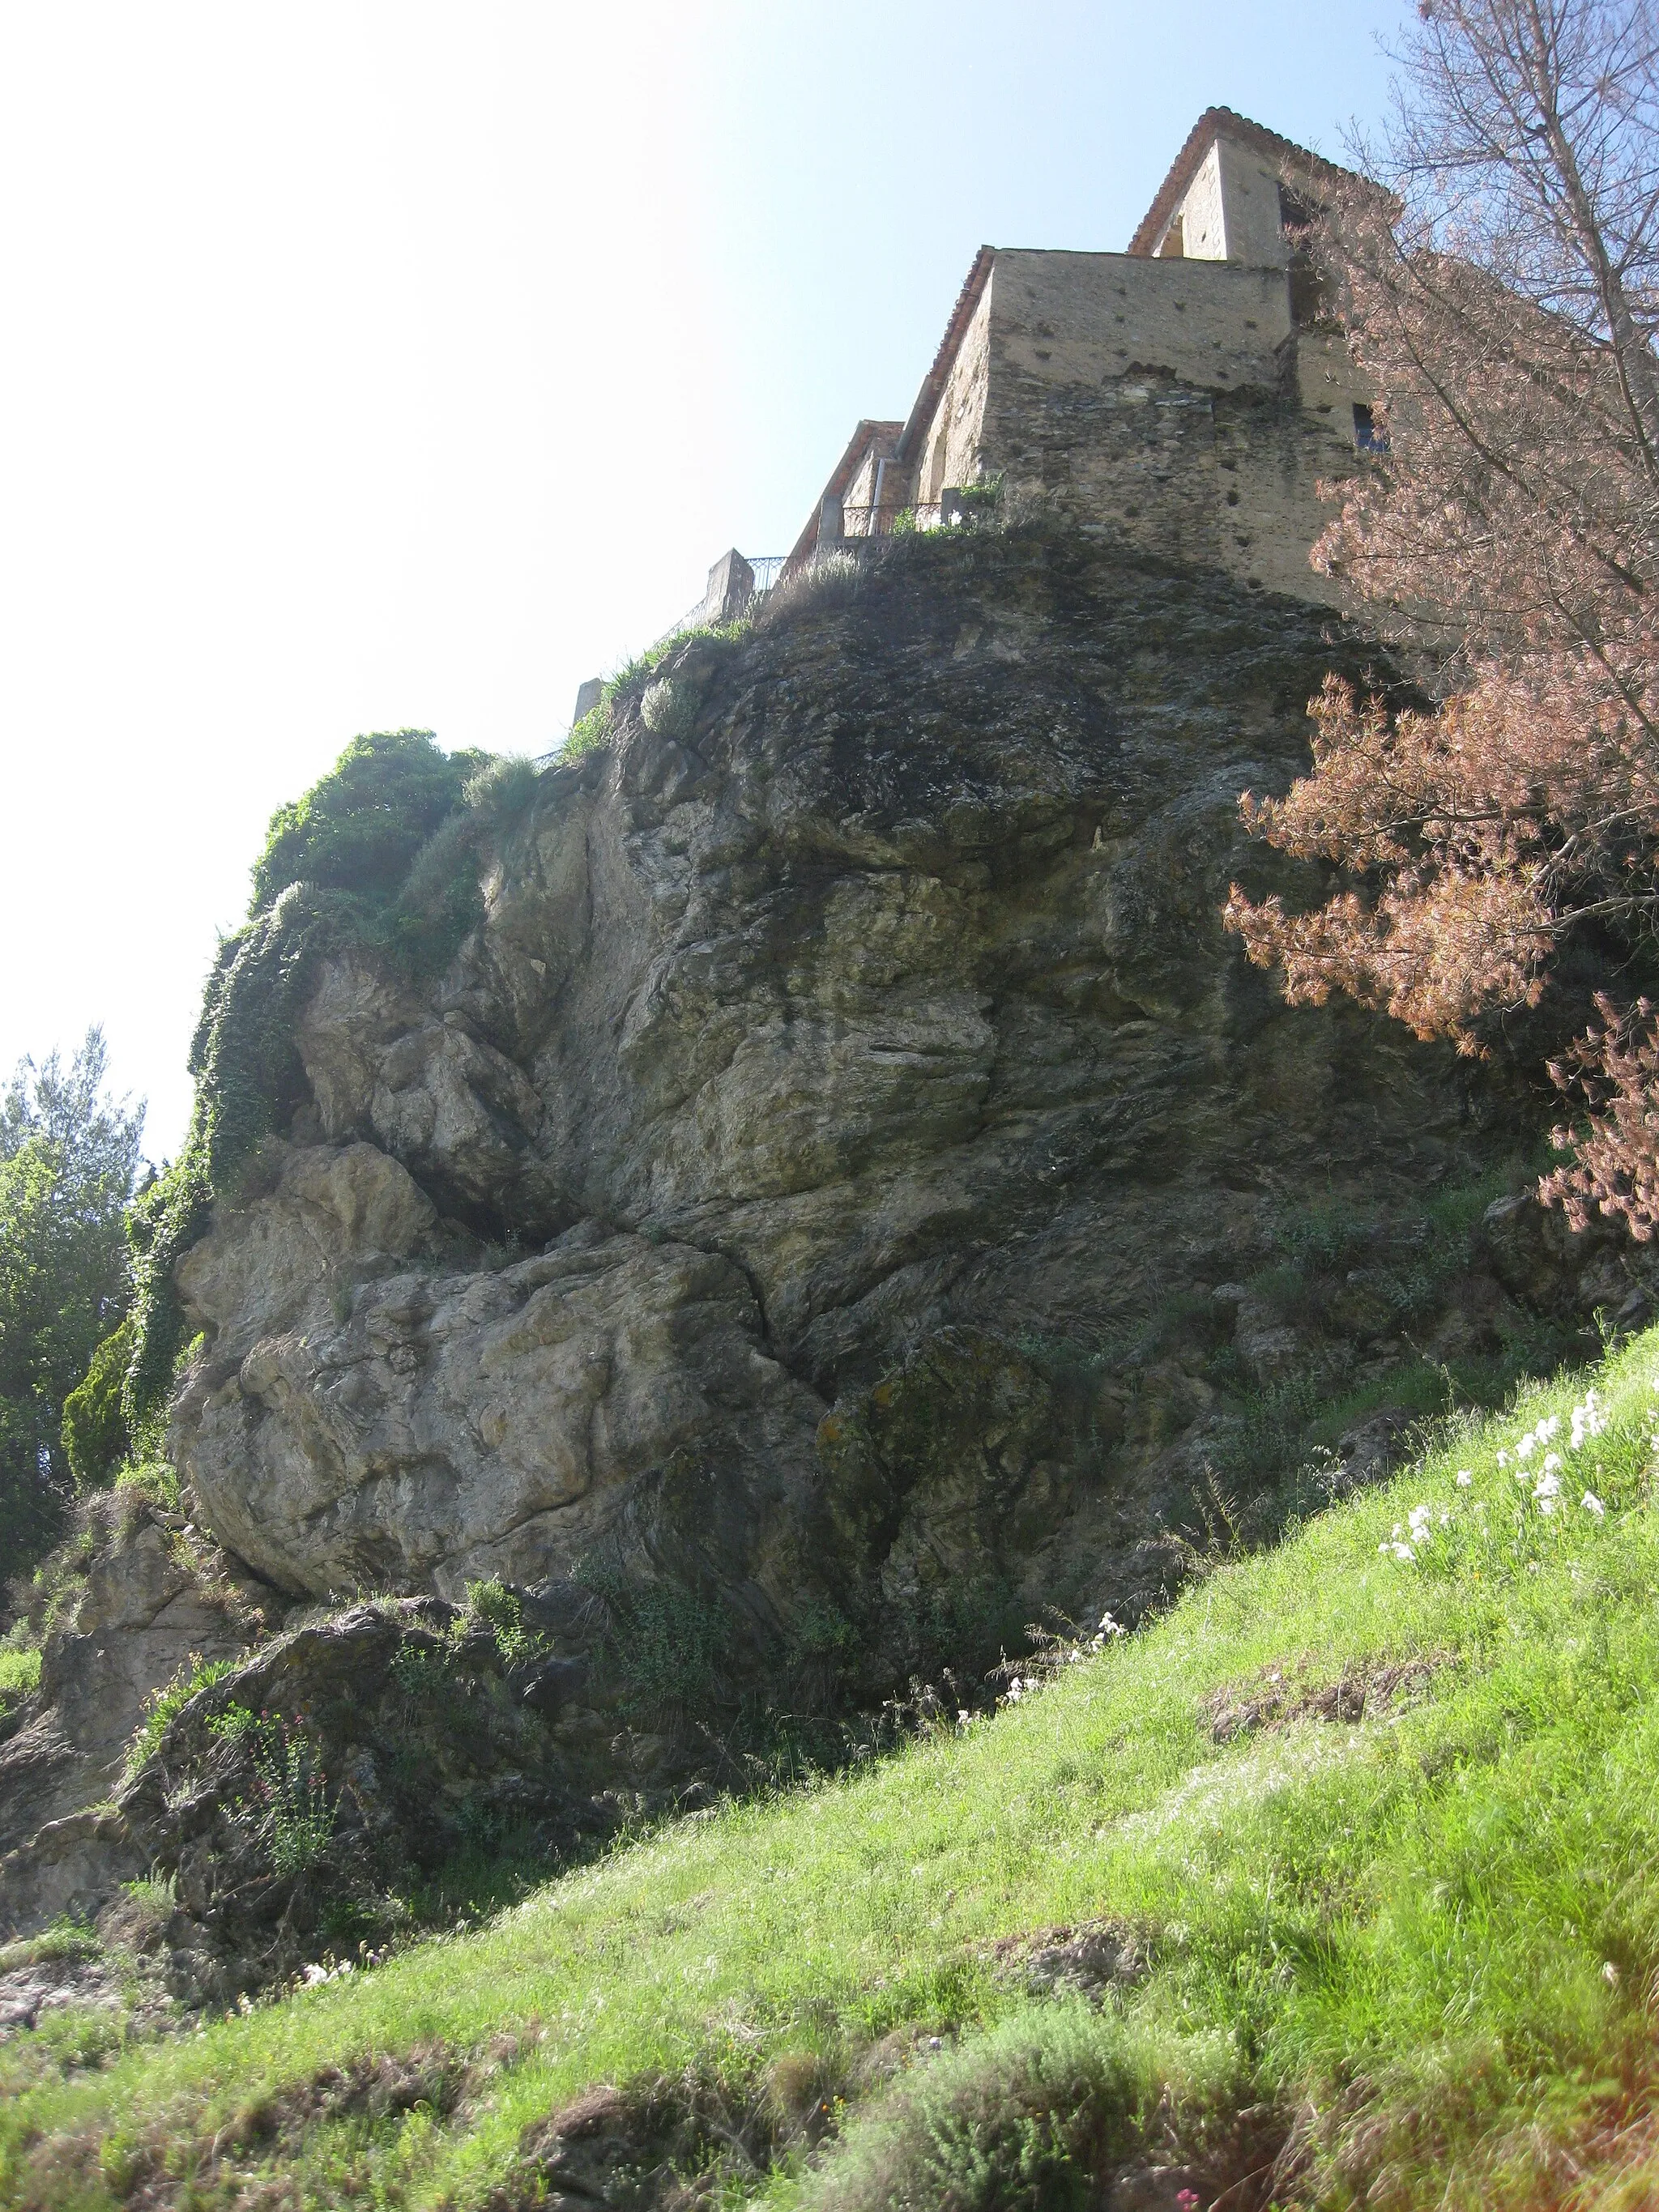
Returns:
<point x="1169" y="406"/>
<point x="953" y="444"/>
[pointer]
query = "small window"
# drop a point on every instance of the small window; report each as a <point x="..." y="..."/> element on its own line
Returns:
<point x="1174" y="247"/>
<point x="1294" y="212"/>
<point x="1368" y="432"/>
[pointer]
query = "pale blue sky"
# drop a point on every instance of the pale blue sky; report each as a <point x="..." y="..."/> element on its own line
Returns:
<point x="369" y="365"/>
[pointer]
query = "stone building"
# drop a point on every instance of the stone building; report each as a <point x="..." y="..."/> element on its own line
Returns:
<point x="1185" y="397"/>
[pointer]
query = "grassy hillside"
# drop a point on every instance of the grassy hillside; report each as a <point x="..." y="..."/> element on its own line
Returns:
<point x="1365" y="1832"/>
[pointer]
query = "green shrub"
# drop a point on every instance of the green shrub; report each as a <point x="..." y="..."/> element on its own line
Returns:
<point x="162" y="1224"/>
<point x="1029" y="2118"/>
<point x="502" y="788"/>
<point x="155" y="1478"/>
<point x="668" y="707"/>
<point x="981" y="503"/>
<point x="502" y="1613"/>
<point x="94" y="1429"/>
<point x="1325" y="1238"/>
<point x="299" y="1822"/>
<point x="832" y="581"/>
<point x="360" y="826"/>
<point x="671" y="1646"/>
<point x="66" y="1942"/>
<point x="196" y="1674"/>
<point x="19" y="1674"/>
<point x="589" y="734"/>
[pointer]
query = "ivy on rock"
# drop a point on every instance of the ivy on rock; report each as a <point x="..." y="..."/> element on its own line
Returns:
<point x="382" y="852"/>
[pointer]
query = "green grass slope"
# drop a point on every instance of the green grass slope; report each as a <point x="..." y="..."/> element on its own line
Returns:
<point x="1371" y="1821"/>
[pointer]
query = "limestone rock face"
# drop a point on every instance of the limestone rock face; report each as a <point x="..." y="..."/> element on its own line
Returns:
<point x="445" y="1427"/>
<point x="143" y="1610"/>
<point x="844" y="1168"/>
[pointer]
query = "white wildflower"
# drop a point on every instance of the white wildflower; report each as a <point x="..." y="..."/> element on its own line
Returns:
<point x="1403" y="1552"/>
<point x="1108" y="1626"/>
<point x="1464" y="1478"/>
<point x="1523" y="1449"/>
<point x="1588" y="1419"/>
<point x="1548" y="1485"/>
<point x="1532" y="1567"/>
<point x="1551" y="1463"/>
<point x="1445" y="1521"/>
<point x="1592" y="1503"/>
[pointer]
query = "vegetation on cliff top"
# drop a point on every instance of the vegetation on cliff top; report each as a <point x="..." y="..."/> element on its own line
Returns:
<point x="383" y="852"/>
<point x="1337" y="1883"/>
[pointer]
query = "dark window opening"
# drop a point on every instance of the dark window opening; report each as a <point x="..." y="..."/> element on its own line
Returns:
<point x="1368" y="432"/>
<point x="1309" y="297"/>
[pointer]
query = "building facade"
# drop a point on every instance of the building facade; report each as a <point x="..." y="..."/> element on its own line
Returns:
<point x="1185" y="398"/>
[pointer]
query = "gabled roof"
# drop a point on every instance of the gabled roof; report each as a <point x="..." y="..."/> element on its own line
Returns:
<point x="1221" y="122"/>
<point x="841" y="476"/>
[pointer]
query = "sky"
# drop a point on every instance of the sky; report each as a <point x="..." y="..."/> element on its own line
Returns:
<point x="376" y="366"/>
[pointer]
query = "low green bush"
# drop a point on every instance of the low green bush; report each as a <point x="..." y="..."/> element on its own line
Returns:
<point x="196" y="1674"/>
<point x="502" y="1613"/>
<point x="668" y="707"/>
<point x="19" y="1674"/>
<point x="1029" y="2116"/>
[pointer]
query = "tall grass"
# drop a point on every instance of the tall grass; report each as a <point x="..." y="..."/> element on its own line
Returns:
<point x="1378" y="1809"/>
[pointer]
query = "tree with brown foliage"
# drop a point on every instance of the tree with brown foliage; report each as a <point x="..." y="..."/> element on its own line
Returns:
<point x="1505" y="297"/>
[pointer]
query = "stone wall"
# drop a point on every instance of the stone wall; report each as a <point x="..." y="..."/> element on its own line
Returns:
<point x="952" y="445"/>
<point x="1231" y="211"/>
<point x="1169" y="406"/>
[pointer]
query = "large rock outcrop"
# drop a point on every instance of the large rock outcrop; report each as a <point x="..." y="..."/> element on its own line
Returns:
<point x="777" y="1191"/>
<point x="847" y="1195"/>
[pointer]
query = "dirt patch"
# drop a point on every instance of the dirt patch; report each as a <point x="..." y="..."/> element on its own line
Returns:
<point x="654" y="2146"/>
<point x="664" y="2142"/>
<point x="1282" y="1693"/>
<point x="377" y="2088"/>
<point x="1088" y="1961"/>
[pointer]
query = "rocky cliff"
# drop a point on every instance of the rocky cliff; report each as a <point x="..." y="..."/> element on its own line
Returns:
<point x="848" y="1193"/>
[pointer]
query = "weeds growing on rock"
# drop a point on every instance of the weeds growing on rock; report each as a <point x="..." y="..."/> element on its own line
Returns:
<point x="195" y="1675"/>
<point x="832" y="581"/>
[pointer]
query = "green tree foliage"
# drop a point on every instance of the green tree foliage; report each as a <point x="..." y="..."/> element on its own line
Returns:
<point x="69" y="1155"/>
<point x="358" y="829"/>
<point x="95" y="1434"/>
